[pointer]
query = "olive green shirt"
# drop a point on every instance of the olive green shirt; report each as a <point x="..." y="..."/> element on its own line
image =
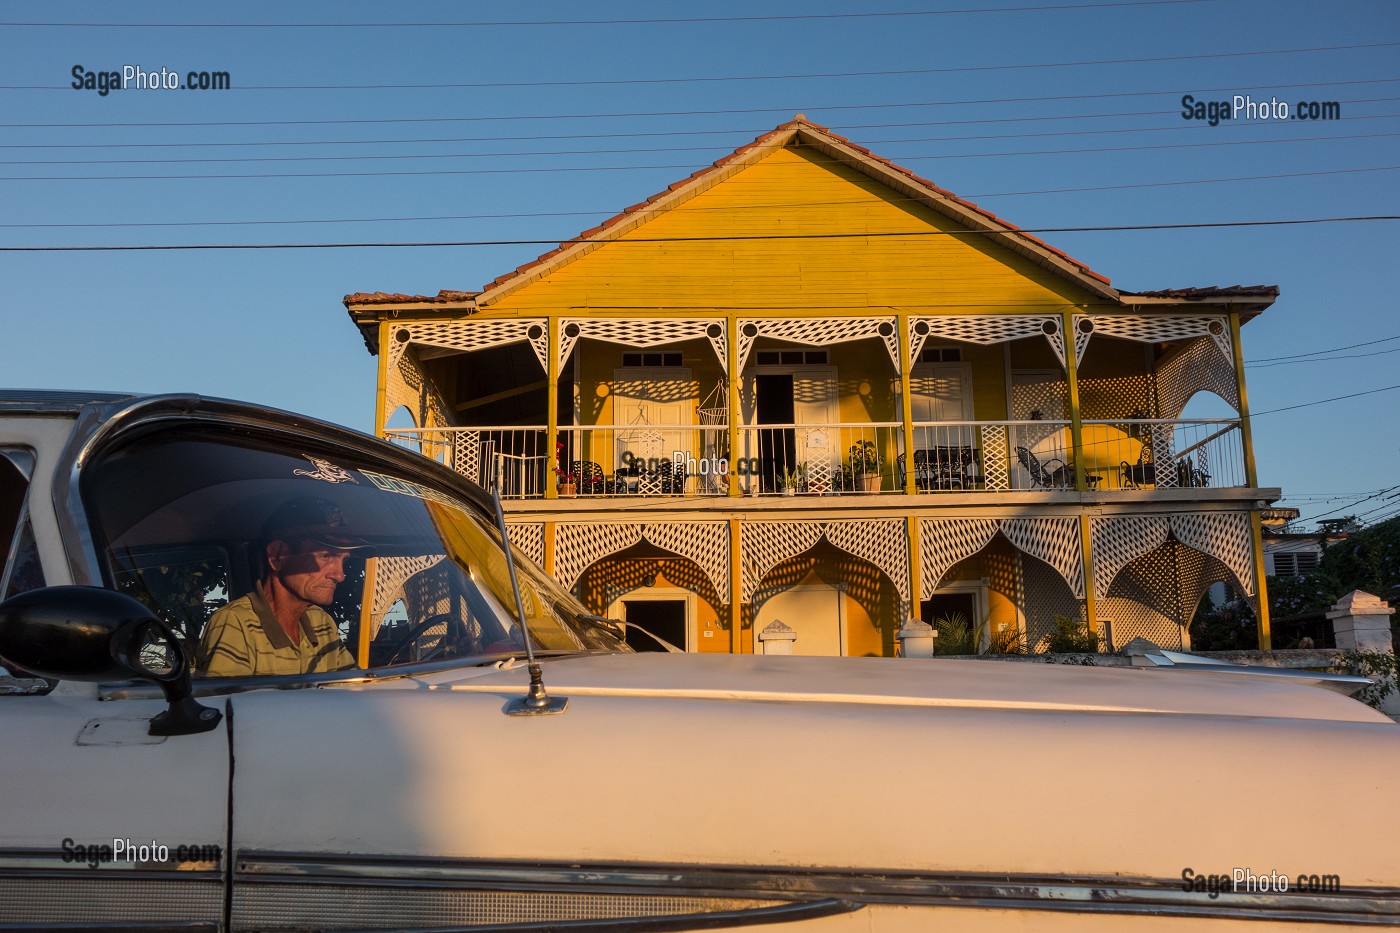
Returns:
<point x="244" y="639"/>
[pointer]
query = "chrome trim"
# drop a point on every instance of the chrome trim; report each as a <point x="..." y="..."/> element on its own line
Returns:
<point x="1164" y="897"/>
<point x="182" y="926"/>
<point x="715" y="920"/>
<point x="1162" y="659"/>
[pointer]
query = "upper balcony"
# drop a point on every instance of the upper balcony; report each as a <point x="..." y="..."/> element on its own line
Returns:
<point x="840" y="458"/>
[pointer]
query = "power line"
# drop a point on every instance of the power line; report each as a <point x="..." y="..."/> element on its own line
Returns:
<point x="1174" y="128"/>
<point x="688" y="113"/>
<point x="1350" y="346"/>
<point x="701" y="239"/>
<point x="820" y="75"/>
<point x="1323" y="359"/>
<point x="1350" y="504"/>
<point x="480" y="24"/>
<point x="627" y="151"/>
<point x="634" y="168"/>
<point x="1324" y="401"/>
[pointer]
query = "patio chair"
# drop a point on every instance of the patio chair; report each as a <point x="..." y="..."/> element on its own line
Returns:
<point x="923" y="476"/>
<point x="1142" y="473"/>
<point x="1060" y="477"/>
<point x="589" y="478"/>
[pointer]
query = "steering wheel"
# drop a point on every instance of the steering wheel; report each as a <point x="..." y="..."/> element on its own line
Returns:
<point x="454" y="635"/>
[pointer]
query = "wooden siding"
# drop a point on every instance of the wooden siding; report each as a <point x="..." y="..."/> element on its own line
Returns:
<point x="797" y="191"/>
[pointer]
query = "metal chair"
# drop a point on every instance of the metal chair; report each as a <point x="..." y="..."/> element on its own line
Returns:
<point x="1061" y="477"/>
<point x="589" y="478"/>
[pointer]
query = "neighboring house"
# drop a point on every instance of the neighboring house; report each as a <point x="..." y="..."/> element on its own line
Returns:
<point x="1289" y="553"/>
<point x="966" y="419"/>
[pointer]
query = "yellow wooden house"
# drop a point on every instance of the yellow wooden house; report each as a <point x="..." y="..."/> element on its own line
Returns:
<point x="805" y="393"/>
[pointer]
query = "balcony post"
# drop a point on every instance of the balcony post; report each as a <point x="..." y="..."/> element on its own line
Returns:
<point x="736" y="586"/>
<point x="1076" y="427"/>
<point x="1251" y="479"/>
<point x="906" y="399"/>
<point x="381" y="379"/>
<point x="1261" y="586"/>
<point x="551" y="490"/>
<point x="731" y="324"/>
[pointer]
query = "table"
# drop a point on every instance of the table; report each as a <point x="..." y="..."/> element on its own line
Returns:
<point x="1103" y="449"/>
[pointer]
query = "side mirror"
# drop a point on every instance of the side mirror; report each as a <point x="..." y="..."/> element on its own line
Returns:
<point x="89" y="633"/>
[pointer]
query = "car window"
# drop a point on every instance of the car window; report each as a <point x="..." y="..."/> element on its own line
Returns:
<point x="19" y="557"/>
<point x="184" y="517"/>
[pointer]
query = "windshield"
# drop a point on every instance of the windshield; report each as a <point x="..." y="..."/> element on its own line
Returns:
<point x="269" y="560"/>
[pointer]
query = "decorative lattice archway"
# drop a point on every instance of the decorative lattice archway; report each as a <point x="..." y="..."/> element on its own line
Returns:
<point x="945" y="541"/>
<point x="882" y="542"/>
<point x="529" y="539"/>
<point x="579" y="545"/>
<point x="986" y="329"/>
<point x="1117" y="541"/>
<point x="471" y="334"/>
<point x="819" y="332"/>
<point x="643" y="332"/>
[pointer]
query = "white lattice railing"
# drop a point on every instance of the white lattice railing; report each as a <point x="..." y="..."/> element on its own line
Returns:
<point x="521" y="451"/>
<point x="948" y="456"/>
<point x="819" y="458"/>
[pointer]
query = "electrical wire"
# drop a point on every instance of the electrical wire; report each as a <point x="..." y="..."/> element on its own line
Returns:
<point x="1350" y="346"/>
<point x="635" y="168"/>
<point x="687" y="20"/>
<point x="576" y="152"/>
<point x="810" y="76"/>
<point x="1174" y="128"/>
<point x="1323" y="401"/>
<point x="682" y="113"/>
<point x="708" y="239"/>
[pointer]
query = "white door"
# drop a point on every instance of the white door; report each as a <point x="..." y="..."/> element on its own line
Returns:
<point x="941" y="392"/>
<point x="649" y="405"/>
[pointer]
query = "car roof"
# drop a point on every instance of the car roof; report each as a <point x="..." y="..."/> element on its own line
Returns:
<point x="56" y="400"/>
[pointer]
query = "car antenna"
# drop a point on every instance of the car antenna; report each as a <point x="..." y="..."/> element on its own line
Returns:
<point x="536" y="702"/>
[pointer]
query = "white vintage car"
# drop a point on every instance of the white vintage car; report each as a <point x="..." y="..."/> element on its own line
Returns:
<point x="430" y="787"/>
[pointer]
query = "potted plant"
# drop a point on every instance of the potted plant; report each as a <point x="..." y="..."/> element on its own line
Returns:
<point x="568" y="482"/>
<point x="865" y="465"/>
<point x="794" y="480"/>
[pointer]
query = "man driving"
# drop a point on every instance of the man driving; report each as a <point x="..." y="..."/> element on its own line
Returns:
<point x="279" y="627"/>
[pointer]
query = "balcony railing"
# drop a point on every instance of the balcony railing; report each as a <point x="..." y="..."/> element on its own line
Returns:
<point x="843" y="458"/>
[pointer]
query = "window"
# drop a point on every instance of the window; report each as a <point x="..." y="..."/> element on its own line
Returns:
<point x="940" y="355"/>
<point x="791" y="358"/>
<point x="652" y="359"/>
<point x="1294" y="563"/>
<point x="181" y="518"/>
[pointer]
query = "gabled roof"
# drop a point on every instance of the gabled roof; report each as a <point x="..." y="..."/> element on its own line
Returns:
<point x="842" y="150"/>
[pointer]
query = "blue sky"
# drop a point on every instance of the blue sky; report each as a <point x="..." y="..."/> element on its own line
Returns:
<point x="539" y="128"/>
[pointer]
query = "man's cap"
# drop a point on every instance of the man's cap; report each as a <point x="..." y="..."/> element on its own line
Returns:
<point x="317" y="520"/>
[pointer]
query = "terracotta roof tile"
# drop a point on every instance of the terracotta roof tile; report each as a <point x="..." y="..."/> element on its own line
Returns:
<point x="391" y="298"/>
<point x="1212" y="291"/>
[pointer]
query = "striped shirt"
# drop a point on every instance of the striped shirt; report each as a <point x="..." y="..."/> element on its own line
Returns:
<point x="244" y="639"/>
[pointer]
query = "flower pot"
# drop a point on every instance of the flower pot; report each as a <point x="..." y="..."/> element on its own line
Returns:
<point x="870" y="482"/>
<point x="568" y="489"/>
<point x="789" y="490"/>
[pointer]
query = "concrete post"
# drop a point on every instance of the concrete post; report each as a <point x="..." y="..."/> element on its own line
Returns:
<point x="1361" y="622"/>
<point x="916" y="639"/>
<point x="777" y="638"/>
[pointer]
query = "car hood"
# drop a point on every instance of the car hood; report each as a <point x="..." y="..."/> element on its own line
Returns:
<point x="854" y="764"/>
<point x="990" y="685"/>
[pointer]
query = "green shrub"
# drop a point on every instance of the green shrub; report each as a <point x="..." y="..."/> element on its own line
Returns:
<point x="1071" y="636"/>
<point x="1380" y="666"/>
